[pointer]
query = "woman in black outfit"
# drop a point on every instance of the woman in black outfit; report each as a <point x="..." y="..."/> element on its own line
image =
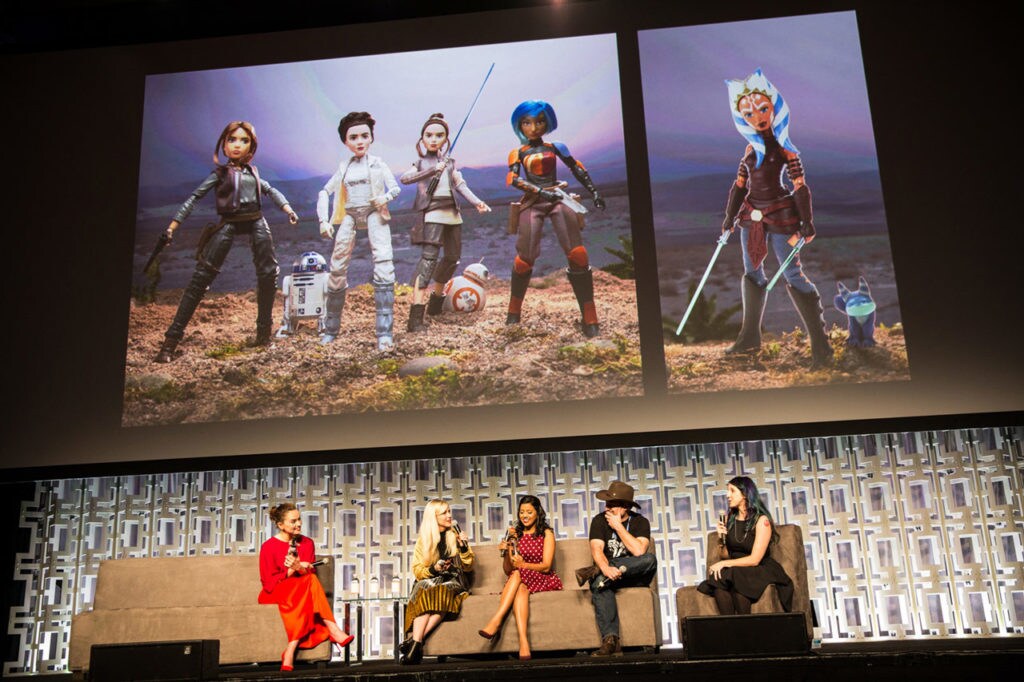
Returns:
<point x="746" y="567"/>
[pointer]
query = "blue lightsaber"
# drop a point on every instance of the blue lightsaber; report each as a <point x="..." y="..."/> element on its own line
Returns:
<point x="722" y="240"/>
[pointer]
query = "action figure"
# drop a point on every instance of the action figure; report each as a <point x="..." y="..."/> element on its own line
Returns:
<point x="859" y="308"/>
<point x="363" y="185"/>
<point x="239" y="189"/>
<point x="767" y="212"/>
<point x="532" y="168"/>
<point x="441" y="224"/>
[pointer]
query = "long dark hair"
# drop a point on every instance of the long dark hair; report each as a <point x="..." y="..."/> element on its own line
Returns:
<point x="542" y="517"/>
<point x="755" y="506"/>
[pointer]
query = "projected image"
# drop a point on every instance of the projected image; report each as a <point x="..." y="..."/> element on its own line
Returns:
<point x="388" y="232"/>
<point x="774" y="262"/>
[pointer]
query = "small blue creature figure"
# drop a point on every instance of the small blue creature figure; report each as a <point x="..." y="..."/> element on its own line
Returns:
<point x="859" y="307"/>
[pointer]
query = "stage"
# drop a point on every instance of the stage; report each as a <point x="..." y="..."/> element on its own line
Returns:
<point x="947" y="659"/>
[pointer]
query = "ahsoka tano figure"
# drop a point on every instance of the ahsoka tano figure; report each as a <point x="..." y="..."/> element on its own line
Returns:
<point x="441" y="224"/>
<point x="768" y="213"/>
<point x="532" y="168"/>
<point x="239" y="191"/>
<point x="363" y="185"/>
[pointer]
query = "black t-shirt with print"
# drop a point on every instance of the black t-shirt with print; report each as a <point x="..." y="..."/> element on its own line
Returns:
<point x="636" y="525"/>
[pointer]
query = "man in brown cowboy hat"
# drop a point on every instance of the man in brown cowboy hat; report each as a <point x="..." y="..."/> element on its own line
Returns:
<point x="619" y="540"/>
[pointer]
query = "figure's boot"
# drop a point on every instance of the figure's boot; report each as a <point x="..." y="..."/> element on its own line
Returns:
<point x="266" y="291"/>
<point x="333" y="306"/>
<point x="384" y="300"/>
<point x="166" y="352"/>
<point x="808" y="305"/>
<point x="583" y="286"/>
<point x="435" y="304"/>
<point x="416" y="323"/>
<point x="521" y="272"/>
<point x="754" y="296"/>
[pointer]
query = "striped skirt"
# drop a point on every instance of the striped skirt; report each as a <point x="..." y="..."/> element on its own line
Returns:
<point x="442" y="594"/>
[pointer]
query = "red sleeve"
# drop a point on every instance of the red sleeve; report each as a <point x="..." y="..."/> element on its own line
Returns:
<point x="272" y="570"/>
<point x="307" y="552"/>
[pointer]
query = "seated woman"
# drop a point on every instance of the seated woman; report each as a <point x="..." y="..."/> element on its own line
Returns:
<point x="441" y="559"/>
<point x="528" y="567"/>
<point x="289" y="581"/>
<point x="746" y="567"/>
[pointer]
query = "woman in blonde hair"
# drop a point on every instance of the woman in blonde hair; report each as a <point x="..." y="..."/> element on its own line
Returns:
<point x="441" y="559"/>
<point x="290" y="581"/>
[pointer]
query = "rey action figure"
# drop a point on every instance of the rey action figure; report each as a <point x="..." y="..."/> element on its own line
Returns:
<point x="239" y="189"/>
<point x="768" y="213"/>
<point x="441" y="224"/>
<point x="532" y="168"/>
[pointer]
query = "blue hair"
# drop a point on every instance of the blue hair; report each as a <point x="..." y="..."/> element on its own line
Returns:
<point x="533" y="107"/>
<point x="755" y="506"/>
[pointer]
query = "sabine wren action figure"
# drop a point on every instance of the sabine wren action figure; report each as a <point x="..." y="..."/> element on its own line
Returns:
<point x="532" y="168"/>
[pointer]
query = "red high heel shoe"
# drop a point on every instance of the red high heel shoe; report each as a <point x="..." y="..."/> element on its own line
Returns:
<point x="342" y="643"/>
<point x="285" y="668"/>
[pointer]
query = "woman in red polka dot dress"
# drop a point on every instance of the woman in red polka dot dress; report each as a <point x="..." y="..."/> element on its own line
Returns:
<point x="528" y="567"/>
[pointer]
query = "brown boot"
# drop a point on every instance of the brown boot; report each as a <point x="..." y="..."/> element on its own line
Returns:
<point x="166" y="352"/>
<point x="416" y="323"/>
<point x="583" y="575"/>
<point x="610" y="646"/>
<point x="435" y="304"/>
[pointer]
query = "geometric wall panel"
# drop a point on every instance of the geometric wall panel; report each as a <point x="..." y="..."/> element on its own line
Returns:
<point x="915" y="534"/>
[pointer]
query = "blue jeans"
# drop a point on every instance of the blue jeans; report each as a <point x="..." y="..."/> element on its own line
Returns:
<point x="640" y="570"/>
<point x="779" y="244"/>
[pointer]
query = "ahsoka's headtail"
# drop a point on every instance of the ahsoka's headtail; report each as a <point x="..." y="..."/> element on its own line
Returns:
<point x="756" y="82"/>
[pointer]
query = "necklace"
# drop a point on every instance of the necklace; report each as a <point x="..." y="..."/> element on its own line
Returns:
<point x="736" y="525"/>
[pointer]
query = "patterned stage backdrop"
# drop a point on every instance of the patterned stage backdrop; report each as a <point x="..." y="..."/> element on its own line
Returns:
<point x="908" y="535"/>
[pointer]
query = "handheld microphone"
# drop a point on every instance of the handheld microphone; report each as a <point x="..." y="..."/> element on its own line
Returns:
<point x="721" y="536"/>
<point x="293" y="548"/>
<point x="320" y="562"/>
<point x="604" y="580"/>
<point x="458" y="531"/>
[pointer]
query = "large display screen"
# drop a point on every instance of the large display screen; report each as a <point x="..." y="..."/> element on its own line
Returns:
<point x="900" y="307"/>
<point x="463" y="352"/>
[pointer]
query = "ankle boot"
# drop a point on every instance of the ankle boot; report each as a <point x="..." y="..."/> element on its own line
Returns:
<point x="414" y="656"/>
<point x="166" y="352"/>
<point x="519" y="283"/>
<point x="435" y="304"/>
<point x="416" y="323"/>
<point x="754" y="296"/>
<point x="334" y="305"/>
<point x="808" y="305"/>
<point x="583" y="286"/>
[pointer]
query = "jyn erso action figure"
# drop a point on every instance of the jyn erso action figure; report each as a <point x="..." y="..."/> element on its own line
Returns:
<point x="239" y="189"/>
<point x="768" y="213"/>
<point x="363" y="185"/>
<point x="532" y="168"/>
<point x="441" y="224"/>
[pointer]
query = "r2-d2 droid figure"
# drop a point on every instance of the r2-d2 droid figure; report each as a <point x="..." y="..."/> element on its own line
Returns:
<point x="304" y="293"/>
<point x="467" y="293"/>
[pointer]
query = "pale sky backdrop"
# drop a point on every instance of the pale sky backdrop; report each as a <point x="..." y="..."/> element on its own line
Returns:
<point x="295" y="107"/>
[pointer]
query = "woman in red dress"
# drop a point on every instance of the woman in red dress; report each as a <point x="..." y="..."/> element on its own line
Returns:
<point x="528" y="567"/>
<point x="290" y="582"/>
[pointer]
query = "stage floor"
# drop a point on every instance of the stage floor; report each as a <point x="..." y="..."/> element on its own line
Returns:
<point x="948" y="659"/>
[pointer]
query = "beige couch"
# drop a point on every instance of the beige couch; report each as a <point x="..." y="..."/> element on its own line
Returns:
<point x="789" y="552"/>
<point x="558" y="620"/>
<point x="165" y="599"/>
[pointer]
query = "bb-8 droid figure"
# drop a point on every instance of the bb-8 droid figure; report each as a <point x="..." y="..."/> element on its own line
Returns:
<point x="305" y="292"/>
<point x="467" y="293"/>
